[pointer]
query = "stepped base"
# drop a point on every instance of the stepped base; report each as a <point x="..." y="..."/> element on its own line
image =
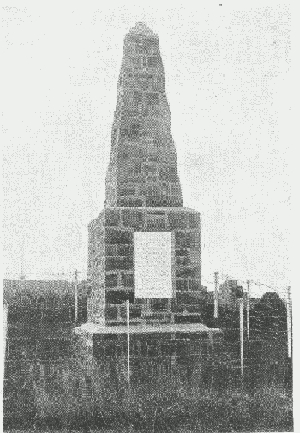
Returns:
<point x="187" y="328"/>
<point x="154" y="349"/>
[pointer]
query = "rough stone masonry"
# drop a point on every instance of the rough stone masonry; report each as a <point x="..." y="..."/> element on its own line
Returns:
<point x="143" y="194"/>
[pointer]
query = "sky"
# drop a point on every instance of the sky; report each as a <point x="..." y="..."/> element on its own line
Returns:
<point x="227" y="71"/>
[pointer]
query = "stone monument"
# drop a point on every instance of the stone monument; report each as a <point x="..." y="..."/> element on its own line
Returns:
<point x="143" y="195"/>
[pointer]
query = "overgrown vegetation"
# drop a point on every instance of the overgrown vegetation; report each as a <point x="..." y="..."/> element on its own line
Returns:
<point x="50" y="386"/>
<point x="85" y="396"/>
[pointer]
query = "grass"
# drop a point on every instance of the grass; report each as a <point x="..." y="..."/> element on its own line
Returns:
<point x="185" y="411"/>
<point x="165" y="404"/>
<point x="78" y="394"/>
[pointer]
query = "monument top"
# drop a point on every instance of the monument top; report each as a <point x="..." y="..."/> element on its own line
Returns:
<point x="142" y="171"/>
<point x="141" y="28"/>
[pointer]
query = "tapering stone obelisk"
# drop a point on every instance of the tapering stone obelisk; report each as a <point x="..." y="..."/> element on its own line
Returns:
<point x="143" y="193"/>
<point x="143" y="163"/>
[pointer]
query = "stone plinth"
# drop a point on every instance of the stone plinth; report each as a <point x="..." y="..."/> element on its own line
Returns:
<point x="155" y="351"/>
<point x="111" y="259"/>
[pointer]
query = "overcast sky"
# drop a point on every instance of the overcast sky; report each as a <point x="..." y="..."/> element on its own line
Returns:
<point x="227" y="75"/>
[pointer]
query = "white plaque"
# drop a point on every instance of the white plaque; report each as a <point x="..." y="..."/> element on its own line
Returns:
<point x="153" y="258"/>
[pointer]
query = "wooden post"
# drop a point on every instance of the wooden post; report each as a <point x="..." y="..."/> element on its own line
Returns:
<point x="289" y="321"/>
<point x="216" y="309"/>
<point x="128" y="346"/>
<point x="241" y="304"/>
<point x="5" y="315"/>
<point x="248" y="309"/>
<point x="76" y="296"/>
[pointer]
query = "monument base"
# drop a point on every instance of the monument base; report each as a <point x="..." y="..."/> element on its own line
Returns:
<point x="147" y="341"/>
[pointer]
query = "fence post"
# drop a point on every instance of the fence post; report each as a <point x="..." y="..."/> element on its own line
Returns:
<point x="248" y="310"/>
<point x="76" y="296"/>
<point x="289" y="321"/>
<point x="241" y="305"/>
<point x="128" y="346"/>
<point x="216" y="307"/>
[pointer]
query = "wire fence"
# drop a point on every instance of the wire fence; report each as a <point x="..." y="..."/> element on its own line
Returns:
<point x="51" y="376"/>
